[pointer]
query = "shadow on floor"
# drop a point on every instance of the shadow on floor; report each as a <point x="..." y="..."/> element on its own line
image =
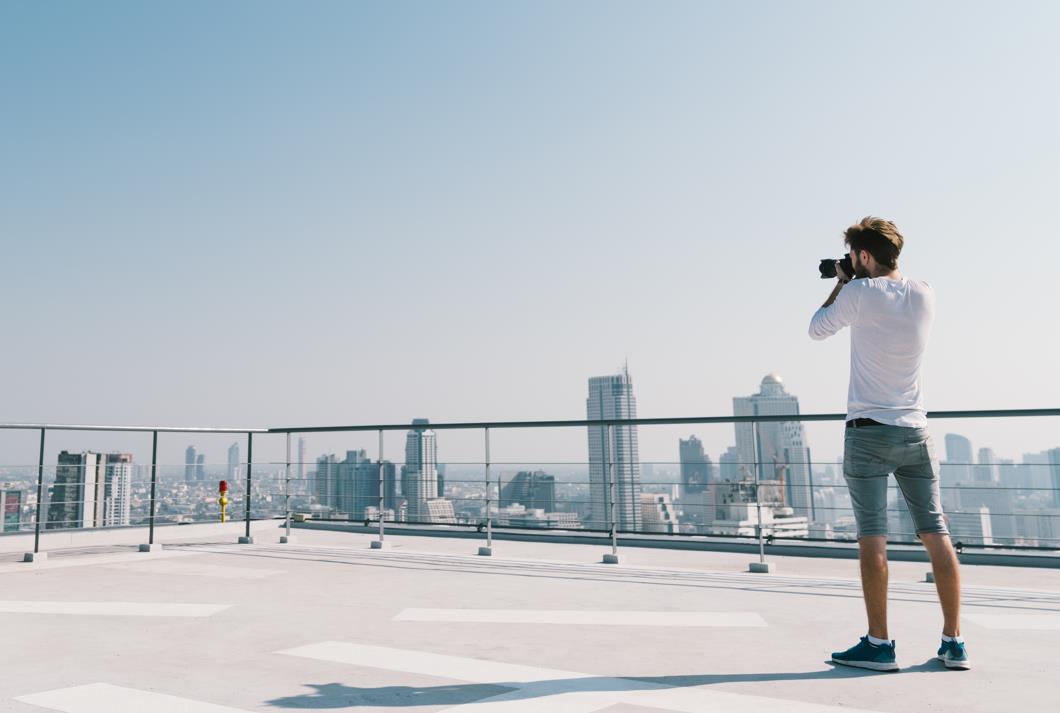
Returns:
<point x="337" y="695"/>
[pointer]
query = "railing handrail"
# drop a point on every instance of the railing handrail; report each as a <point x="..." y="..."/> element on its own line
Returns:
<point x="567" y="423"/>
<point x="991" y="413"/>
<point x="143" y="429"/>
<point x="577" y="423"/>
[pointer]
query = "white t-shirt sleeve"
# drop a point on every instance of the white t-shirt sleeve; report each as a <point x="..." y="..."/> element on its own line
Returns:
<point x="841" y="313"/>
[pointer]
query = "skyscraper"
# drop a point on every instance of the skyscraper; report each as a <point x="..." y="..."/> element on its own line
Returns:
<point x="76" y="495"/>
<point x="189" y="464"/>
<point x="611" y="397"/>
<point x="697" y="470"/>
<point x="117" y="489"/>
<point x="1054" y="471"/>
<point x="986" y="471"/>
<point x="420" y="476"/>
<point x="233" y="462"/>
<point x="200" y="467"/>
<point x="729" y="465"/>
<point x="957" y="468"/>
<point x="326" y="481"/>
<point x="300" y="470"/>
<point x="532" y="490"/>
<point x="780" y="451"/>
<point x="358" y="484"/>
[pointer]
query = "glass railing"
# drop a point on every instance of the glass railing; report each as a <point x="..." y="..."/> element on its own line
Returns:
<point x="769" y="486"/>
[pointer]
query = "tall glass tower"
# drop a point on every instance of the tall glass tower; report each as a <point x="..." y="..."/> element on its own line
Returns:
<point x="420" y="474"/>
<point x="611" y="397"/>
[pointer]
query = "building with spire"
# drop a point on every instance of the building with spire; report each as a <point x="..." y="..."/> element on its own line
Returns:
<point x="611" y="397"/>
<point x="776" y="449"/>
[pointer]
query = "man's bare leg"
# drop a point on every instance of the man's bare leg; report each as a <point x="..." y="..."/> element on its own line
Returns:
<point x="947" y="573"/>
<point x="872" y="554"/>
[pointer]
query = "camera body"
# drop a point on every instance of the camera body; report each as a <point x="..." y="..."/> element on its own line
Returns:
<point x="827" y="267"/>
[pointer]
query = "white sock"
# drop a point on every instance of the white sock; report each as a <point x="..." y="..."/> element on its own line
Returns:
<point x="878" y="642"/>
<point x="958" y="639"/>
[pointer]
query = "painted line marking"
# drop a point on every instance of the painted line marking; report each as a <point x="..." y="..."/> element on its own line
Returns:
<point x="111" y="608"/>
<point x="426" y="664"/>
<point x="552" y="689"/>
<point x="1043" y="622"/>
<point x="105" y="698"/>
<point x="198" y="570"/>
<point x="594" y="617"/>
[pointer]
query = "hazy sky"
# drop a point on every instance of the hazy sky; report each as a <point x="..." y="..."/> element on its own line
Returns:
<point x="256" y="213"/>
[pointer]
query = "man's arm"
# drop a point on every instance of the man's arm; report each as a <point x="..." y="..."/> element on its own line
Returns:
<point x="831" y="298"/>
<point x="839" y="310"/>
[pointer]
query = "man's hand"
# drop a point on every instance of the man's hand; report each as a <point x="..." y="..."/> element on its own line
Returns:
<point x="843" y="277"/>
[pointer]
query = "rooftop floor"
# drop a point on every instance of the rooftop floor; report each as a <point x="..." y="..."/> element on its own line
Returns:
<point x="329" y="624"/>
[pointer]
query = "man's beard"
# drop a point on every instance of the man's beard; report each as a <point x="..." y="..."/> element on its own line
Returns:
<point x="859" y="268"/>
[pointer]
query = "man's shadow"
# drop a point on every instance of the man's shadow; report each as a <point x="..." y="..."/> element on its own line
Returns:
<point x="338" y="695"/>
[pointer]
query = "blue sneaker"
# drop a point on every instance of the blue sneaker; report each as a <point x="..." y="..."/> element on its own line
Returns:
<point x="866" y="655"/>
<point x="954" y="655"/>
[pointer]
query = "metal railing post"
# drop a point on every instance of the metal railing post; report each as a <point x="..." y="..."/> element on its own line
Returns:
<point x="380" y="543"/>
<point x="150" y="546"/>
<point x="761" y="566"/>
<point x="246" y="539"/>
<point x="488" y="549"/>
<point x="286" y="537"/>
<point x="37" y="555"/>
<point x="609" y="465"/>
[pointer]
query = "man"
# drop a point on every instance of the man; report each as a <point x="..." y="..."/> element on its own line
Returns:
<point x="886" y="431"/>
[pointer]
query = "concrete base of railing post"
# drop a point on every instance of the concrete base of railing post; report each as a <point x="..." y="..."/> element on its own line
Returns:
<point x="929" y="577"/>
<point x="485" y="551"/>
<point x="288" y="539"/>
<point x="379" y="545"/>
<point x="610" y="559"/>
<point x="762" y="567"/>
<point x="244" y="540"/>
<point x="35" y="557"/>
<point x="151" y="548"/>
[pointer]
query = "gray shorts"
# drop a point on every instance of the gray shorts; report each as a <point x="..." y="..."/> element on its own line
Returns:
<point x="870" y="454"/>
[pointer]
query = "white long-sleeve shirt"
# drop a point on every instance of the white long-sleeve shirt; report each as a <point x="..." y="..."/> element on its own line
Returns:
<point x="889" y="324"/>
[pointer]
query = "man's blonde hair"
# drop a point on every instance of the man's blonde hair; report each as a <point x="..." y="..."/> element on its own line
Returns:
<point x="879" y="237"/>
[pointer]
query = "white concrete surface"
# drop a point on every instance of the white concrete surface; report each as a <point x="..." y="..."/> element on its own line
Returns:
<point x="330" y="587"/>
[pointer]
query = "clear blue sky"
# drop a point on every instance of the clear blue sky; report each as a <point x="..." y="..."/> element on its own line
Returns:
<point x="260" y="213"/>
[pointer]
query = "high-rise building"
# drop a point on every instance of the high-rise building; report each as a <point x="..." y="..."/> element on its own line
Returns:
<point x="986" y="470"/>
<point x="611" y="397"/>
<point x="1054" y="471"/>
<point x="973" y="526"/>
<point x="117" y="489"/>
<point x="534" y="490"/>
<point x="326" y="481"/>
<point x="357" y="485"/>
<point x="697" y="470"/>
<point x="729" y="465"/>
<point x="300" y="469"/>
<point x="189" y="464"/>
<point x="419" y="482"/>
<point x="958" y="465"/>
<point x="233" y="462"/>
<point x="200" y="467"/>
<point x="76" y="497"/>
<point x="10" y="508"/>
<point x="777" y="448"/>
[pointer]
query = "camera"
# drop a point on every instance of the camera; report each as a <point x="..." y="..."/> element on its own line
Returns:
<point x="827" y="267"/>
